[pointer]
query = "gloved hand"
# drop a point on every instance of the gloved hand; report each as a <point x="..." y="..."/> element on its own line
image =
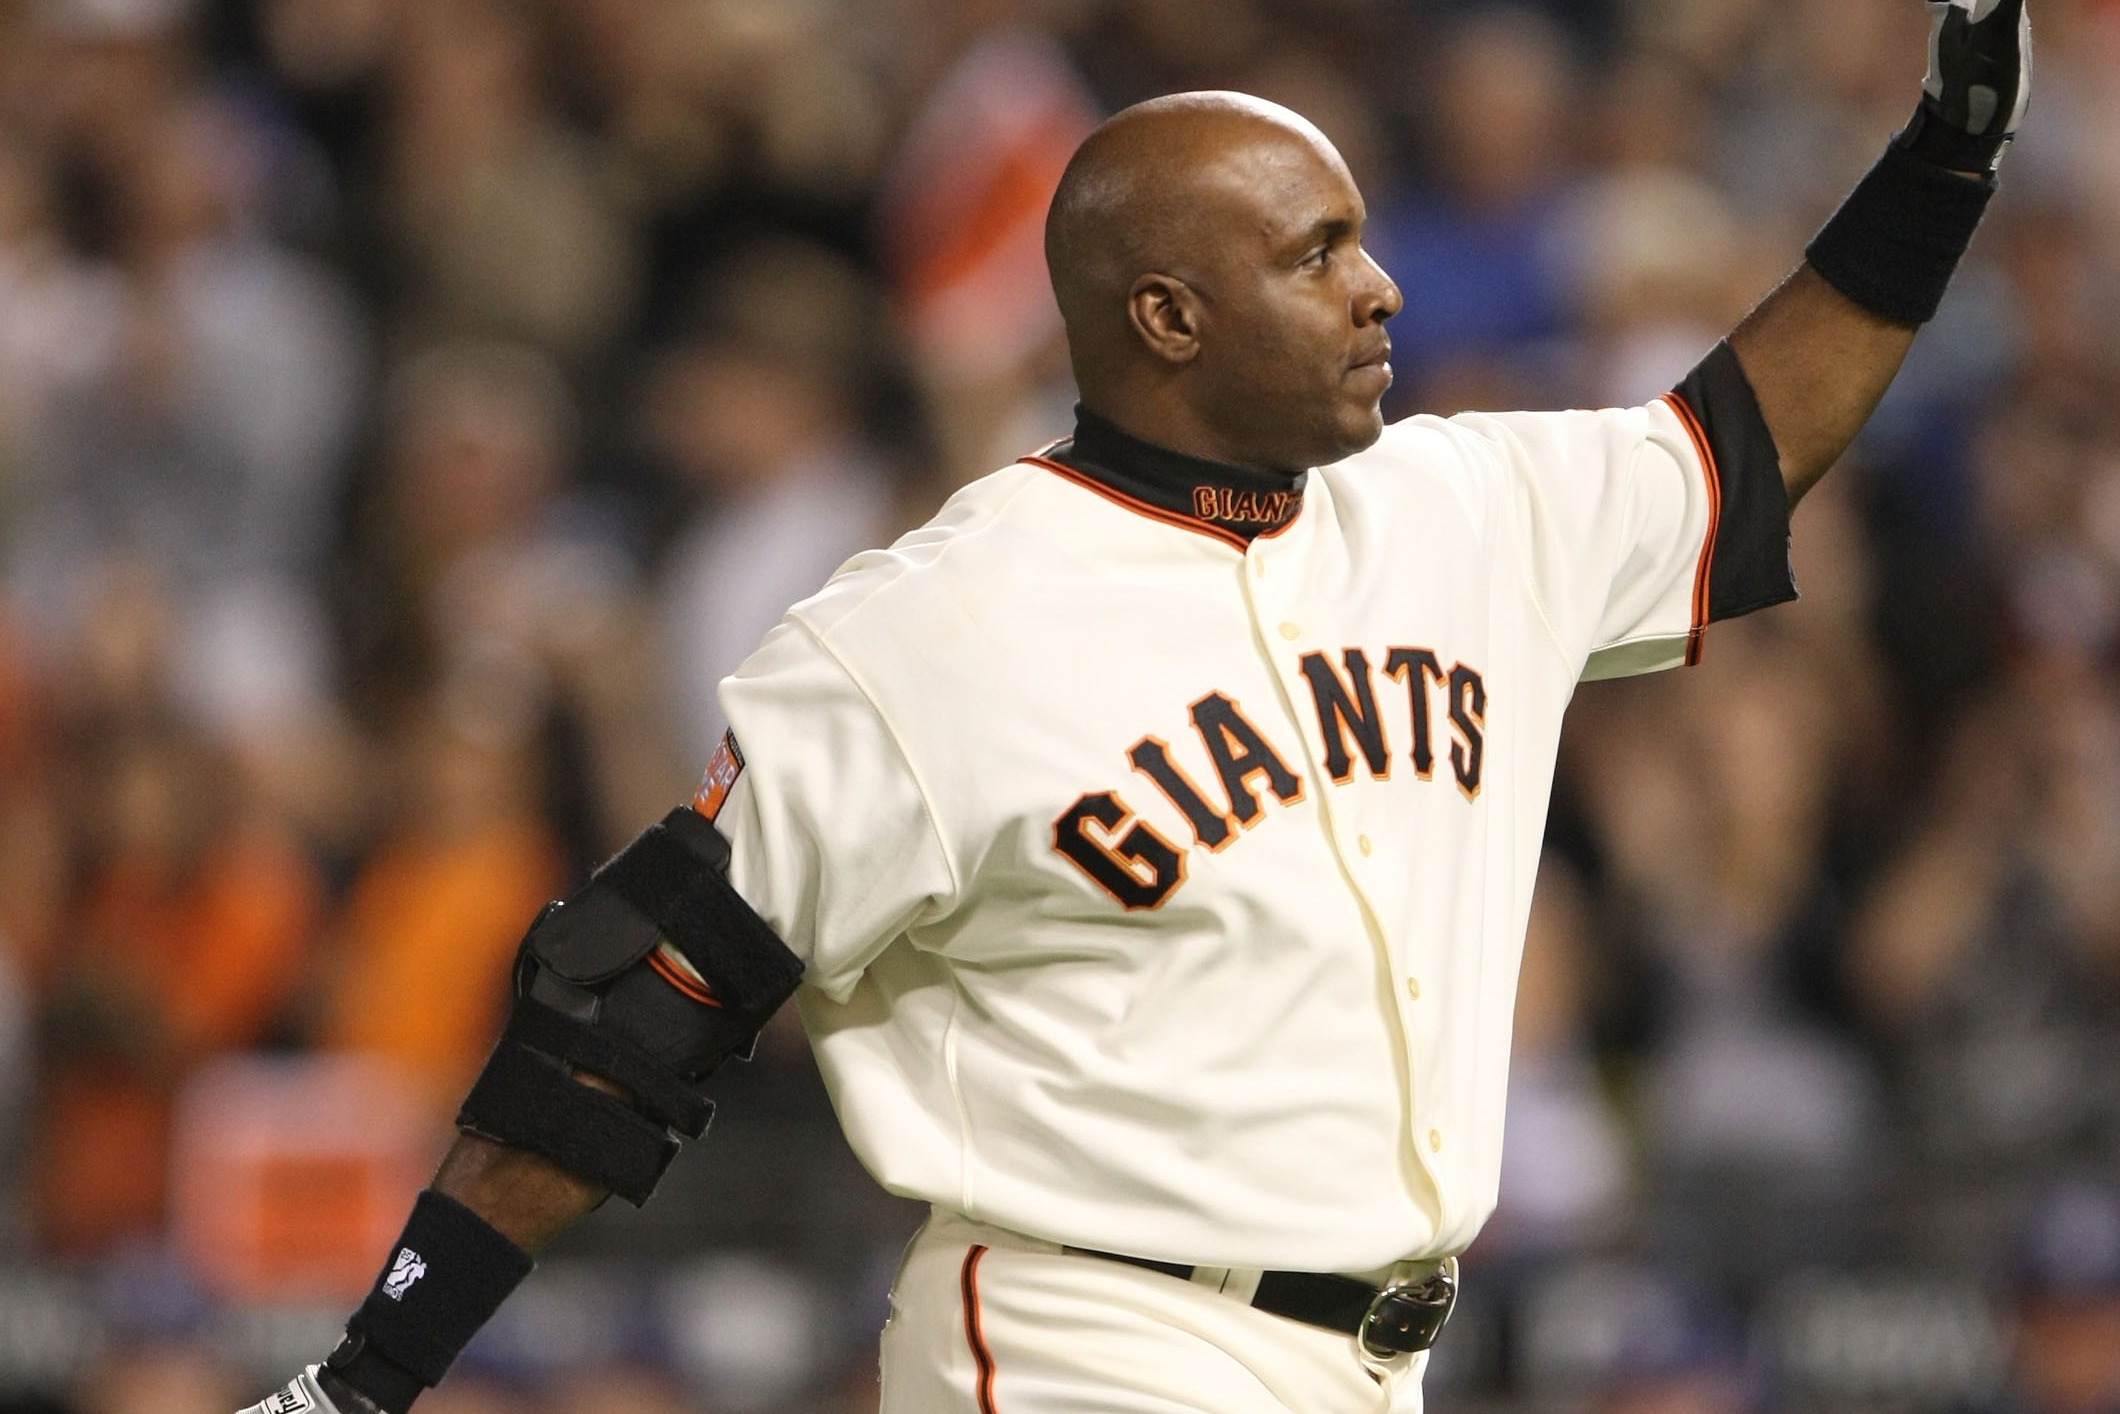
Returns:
<point x="1979" y="80"/>
<point x="306" y="1394"/>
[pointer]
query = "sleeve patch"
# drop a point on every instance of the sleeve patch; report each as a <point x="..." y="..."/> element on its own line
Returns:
<point x="721" y="773"/>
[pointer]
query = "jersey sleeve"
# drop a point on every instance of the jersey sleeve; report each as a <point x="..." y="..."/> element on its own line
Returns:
<point x="1644" y="525"/>
<point x="829" y="833"/>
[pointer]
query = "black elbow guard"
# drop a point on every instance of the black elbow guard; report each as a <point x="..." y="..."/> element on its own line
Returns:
<point x="590" y="997"/>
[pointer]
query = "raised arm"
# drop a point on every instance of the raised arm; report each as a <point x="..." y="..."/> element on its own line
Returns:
<point x="1819" y="363"/>
<point x="1820" y="351"/>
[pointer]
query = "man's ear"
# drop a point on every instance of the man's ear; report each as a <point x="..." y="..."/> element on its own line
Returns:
<point x="1165" y="313"/>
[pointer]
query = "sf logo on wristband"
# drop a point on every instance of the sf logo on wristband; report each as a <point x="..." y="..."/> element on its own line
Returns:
<point x="407" y="1269"/>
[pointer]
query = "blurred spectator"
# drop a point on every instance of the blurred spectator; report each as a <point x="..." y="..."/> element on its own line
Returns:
<point x="17" y="1059"/>
<point x="728" y="123"/>
<point x="962" y="212"/>
<point x="1478" y="249"/>
<point x="502" y="225"/>
<point x="2068" y="1312"/>
<point x="1988" y="957"/>
<point x="747" y="1328"/>
<point x="1811" y="90"/>
<point x="198" y="421"/>
<point x="1710" y="800"/>
<point x="619" y="1391"/>
<point x="1659" y="270"/>
<point x="766" y="93"/>
<point x="1174" y="44"/>
<point x="161" y="1379"/>
<point x="1656" y="265"/>
<point x="787" y="490"/>
<point x="1565" y="1164"/>
<point x="58" y="322"/>
<point x="2049" y="476"/>
<point x="487" y="587"/>
<point x="428" y="935"/>
<point x="32" y="888"/>
<point x="1678" y="1394"/>
<point x="186" y="932"/>
<point x="1601" y="1326"/>
<point x="470" y="1395"/>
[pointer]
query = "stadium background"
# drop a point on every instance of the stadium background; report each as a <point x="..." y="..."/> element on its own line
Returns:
<point x="409" y="407"/>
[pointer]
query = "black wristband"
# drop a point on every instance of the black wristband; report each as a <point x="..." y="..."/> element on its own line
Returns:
<point x="446" y="1277"/>
<point x="1894" y="242"/>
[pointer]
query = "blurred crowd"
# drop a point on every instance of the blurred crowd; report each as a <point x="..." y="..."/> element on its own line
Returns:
<point x="410" y="408"/>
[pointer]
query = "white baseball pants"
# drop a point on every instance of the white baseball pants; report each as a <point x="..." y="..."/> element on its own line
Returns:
<point x="987" y="1321"/>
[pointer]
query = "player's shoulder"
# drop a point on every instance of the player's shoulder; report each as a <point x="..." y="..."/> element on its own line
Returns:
<point x="1412" y="452"/>
<point x="1484" y="445"/>
<point x="1423" y="434"/>
<point x="936" y="560"/>
<point x="1562" y="431"/>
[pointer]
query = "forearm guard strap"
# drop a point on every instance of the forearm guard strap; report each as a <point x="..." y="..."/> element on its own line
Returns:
<point x="526" y="1097"/>
<point x="1896" y="240"/>
<point x="588" y="1004"/>
<point x="671" y="884"/>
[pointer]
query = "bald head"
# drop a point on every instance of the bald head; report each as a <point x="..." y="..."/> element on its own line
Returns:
<point x="1205" y="249"/>
<point x="1156" y="188"/>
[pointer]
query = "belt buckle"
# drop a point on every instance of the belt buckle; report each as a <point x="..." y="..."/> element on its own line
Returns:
<point x="1408" y="1316"/>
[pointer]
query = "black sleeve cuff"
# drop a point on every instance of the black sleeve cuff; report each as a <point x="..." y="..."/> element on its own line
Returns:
<point x="1748" y="567"/>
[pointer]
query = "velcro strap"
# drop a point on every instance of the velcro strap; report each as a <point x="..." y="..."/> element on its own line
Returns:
<point x="664" y="874"/>
<point x="523" y="1099"/>
<point x="665" y="1097"/>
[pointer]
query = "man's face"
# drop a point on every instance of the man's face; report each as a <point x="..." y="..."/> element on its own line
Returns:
<point x="1292" y="363"/>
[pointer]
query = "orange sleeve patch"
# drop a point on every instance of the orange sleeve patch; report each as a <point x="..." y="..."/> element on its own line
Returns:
<point x="721" y="773"/>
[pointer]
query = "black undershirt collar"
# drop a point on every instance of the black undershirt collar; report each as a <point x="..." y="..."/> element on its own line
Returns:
<point x="1229" y="502"/>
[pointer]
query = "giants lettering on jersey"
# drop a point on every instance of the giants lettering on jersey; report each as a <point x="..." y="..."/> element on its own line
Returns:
<point x="1140" y="866"/>
<point x="1231" y="506"/>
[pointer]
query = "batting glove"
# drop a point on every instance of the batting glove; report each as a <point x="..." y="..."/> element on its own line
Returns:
<point x="1980" y="78"/>
<point x="304" y="1395"/>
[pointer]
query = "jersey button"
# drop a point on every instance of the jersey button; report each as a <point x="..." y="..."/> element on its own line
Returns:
<point x="1413" y="988"/>
<point x="1290" y="631"/>
<point x="1363" y="843"/>
<point x="1435" y="1141"/>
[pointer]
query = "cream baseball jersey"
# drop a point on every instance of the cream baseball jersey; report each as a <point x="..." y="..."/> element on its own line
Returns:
<point x="1159" y="835"/>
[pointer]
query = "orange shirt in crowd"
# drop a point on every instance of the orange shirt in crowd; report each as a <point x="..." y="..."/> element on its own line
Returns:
<point x="162" y="972"/>
<point x="428" y="939"/>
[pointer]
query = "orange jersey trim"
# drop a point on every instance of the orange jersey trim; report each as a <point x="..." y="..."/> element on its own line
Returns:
<point x="682" y="980"/>
<point x="1712" y="473"/>
<point x="974" y="1330"/>
<point x="1231" y="538"/>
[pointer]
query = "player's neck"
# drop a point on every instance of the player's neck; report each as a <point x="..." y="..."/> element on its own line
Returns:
<point x="1108" y="441"/>
<point x="1233" y="502"/>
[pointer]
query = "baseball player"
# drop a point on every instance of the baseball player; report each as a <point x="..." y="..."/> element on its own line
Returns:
<point x="1152" y="833"/>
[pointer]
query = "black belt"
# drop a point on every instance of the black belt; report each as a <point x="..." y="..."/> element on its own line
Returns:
<point x="1391" y="1320"/>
